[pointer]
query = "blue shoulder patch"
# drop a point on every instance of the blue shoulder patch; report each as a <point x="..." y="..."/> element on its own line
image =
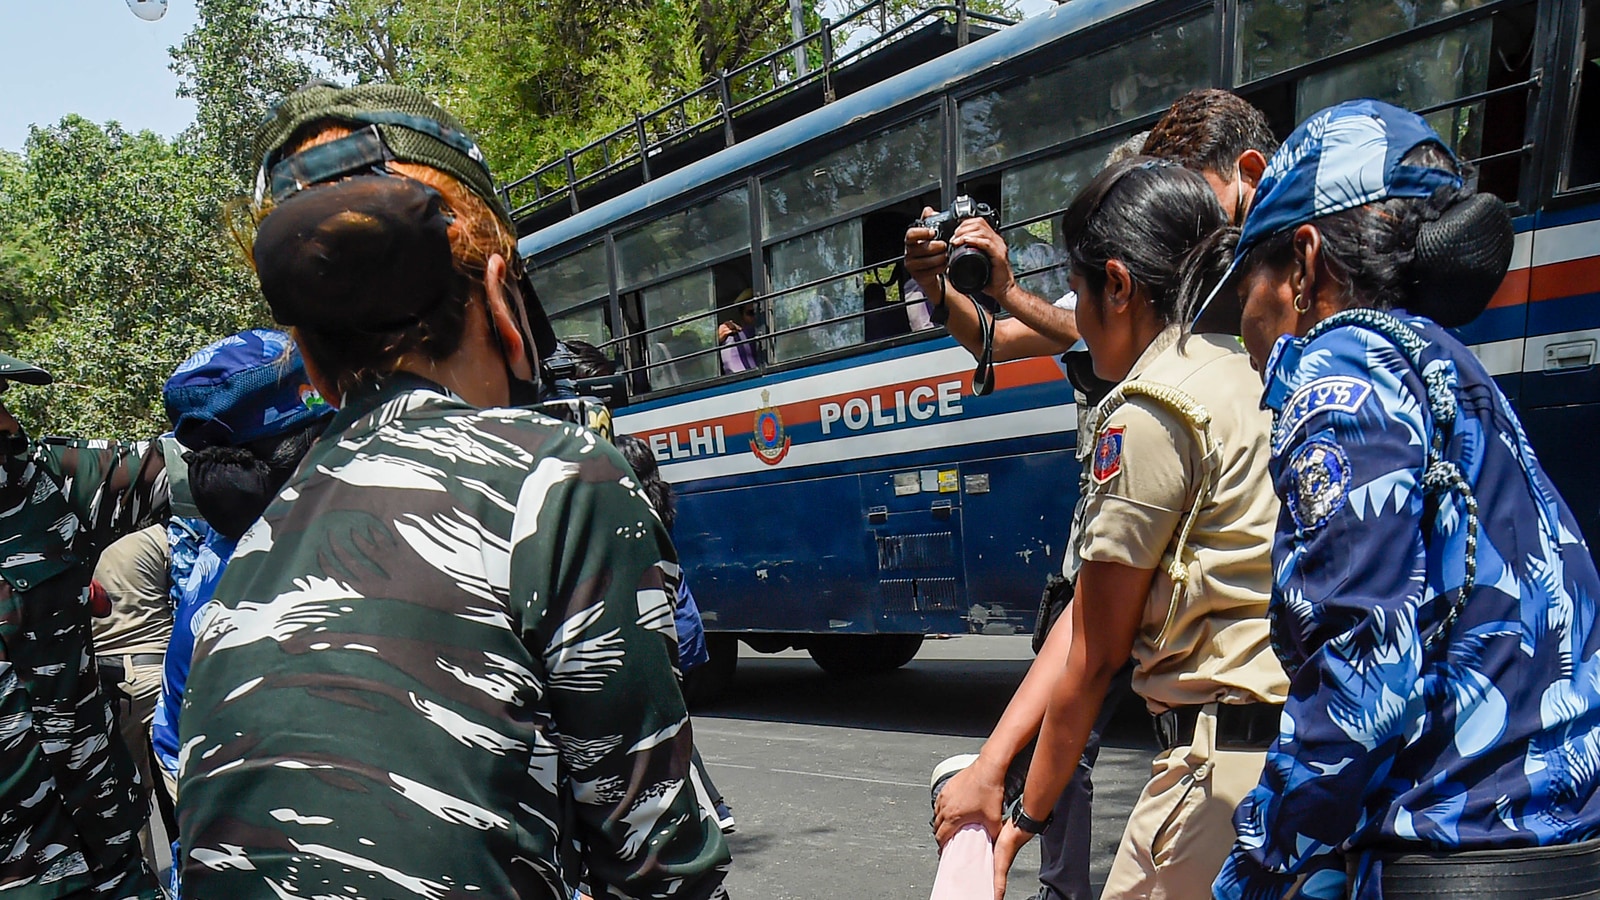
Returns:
<point x="1320" y="485"/>
<point x="1333" y="393"/>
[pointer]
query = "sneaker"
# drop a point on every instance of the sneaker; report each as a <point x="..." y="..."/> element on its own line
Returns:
<point x="725" y="818"/>
<point x="944" y="770"/>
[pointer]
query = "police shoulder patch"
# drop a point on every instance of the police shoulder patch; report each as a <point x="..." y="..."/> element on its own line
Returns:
<point x="1319" y="484"/>
<point x="1108" y="454"/>
<point x="1332" y="393"/>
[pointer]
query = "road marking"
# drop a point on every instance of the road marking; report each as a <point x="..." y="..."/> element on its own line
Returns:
<point x="847" y="778"/>
<point x="728" y="765"/>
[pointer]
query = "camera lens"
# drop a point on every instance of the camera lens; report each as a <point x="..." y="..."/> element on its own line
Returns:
<point x="969" y="270"/>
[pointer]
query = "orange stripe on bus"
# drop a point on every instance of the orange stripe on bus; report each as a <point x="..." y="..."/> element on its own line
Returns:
<point x="1565" y="279"/>
<point x="1513" y="290"/>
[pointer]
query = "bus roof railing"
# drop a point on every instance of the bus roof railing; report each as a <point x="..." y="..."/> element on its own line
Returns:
<point x="713" y="103"/>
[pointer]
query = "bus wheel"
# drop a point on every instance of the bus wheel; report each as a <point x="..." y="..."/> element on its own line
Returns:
<point x="863" y="654"/>
<point x="705" y="684"/>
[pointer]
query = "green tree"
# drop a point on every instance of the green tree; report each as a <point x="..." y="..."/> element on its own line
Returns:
<point x="20" y="253"/>
<point x="135" y="270"/>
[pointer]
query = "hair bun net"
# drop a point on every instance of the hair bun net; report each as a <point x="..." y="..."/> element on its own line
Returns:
<point x="1461" y="258"/>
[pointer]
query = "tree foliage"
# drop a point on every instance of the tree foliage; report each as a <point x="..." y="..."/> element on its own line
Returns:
<point x="115" y="262"/>
<point x="132" y="270"/>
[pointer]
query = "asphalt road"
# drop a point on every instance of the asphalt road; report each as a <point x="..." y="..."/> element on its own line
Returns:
<point x="828" y="778"/>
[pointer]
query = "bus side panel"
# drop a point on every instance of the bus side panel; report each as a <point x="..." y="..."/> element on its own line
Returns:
<point x="792" y="556"/>
<point x="1561" y="382"/>
<point x="1016" y="532"/>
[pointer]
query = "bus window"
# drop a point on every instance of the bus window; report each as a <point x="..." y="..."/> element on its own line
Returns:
<point x="1092" y="92"/>
<point x="1483" y="55"/>
<point x="884" y="167"/>
<point x="1031" y="199"/>
<point x="687" y="304"/>
<point x="572" y="282"/>
<point x="590" y="323"/>
<point x="673" y="325"/>
<point x="1583" y="155"/>
<point x="1416" y="75"/>
<point x="808" y="258"/>
<point x="1275" y="35"/>
<point x="682" y="240"/>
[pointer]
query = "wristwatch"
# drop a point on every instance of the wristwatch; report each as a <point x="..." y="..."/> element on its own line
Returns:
<point x="1021" y="819"/>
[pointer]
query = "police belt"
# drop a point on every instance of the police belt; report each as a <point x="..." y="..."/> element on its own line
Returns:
<point x="1240" y="726"/>
<point x="1567" y="871"/>
<point x="131" y="659"/>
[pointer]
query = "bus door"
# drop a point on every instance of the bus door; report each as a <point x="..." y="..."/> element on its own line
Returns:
<point x="913" y="517"/>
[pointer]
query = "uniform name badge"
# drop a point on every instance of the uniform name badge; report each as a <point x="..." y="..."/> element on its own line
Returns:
<point x="1108" y="454"/>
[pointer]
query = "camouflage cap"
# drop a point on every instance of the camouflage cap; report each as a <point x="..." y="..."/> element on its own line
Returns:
<point x="412" y="128"/>
<point x="13" y="369"/>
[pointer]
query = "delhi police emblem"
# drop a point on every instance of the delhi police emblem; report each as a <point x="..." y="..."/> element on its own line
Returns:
<point x="1108" y="454"/>
<point x="768" y="441"/>
<point x="1321" y="484"/>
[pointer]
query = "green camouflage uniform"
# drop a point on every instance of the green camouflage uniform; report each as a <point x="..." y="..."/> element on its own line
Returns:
<point x="69" y="816"/>
<point x="441" y="666"/>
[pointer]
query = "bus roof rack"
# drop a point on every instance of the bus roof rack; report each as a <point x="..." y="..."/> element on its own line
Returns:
<point x="814" y="61"/>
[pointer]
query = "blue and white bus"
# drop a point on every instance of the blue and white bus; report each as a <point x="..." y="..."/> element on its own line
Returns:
<point x="848" y="494"/>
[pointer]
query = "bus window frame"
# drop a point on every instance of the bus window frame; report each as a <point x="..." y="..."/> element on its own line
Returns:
<point x="1566" y="67"/>
<point x="1530" y="191"/>
<point x="832" y="143"/>
<point x="680" y="204"/>
<point x="603" y="242"/>
<point x="1121" y="31"/>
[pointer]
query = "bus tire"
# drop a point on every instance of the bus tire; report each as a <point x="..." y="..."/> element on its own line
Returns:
<point x="705" y="684"/>
<point x="863" y="654"/>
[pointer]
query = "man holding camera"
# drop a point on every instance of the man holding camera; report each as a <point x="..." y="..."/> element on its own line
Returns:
<point x="1212" y="131"/>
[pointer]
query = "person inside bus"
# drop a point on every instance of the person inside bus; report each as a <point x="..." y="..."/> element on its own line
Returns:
<point x="451" y="632"/>
<point x="1434" y="602"/>
<point x="1214" y="132"/>
<point x="736" y="336"/>
<point x="1175" y="544"/>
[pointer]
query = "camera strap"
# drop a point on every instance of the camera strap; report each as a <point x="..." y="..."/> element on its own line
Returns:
<point x="983" y="374"/>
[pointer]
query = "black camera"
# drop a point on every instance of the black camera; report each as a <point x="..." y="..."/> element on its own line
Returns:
<point x="968" y="268"/>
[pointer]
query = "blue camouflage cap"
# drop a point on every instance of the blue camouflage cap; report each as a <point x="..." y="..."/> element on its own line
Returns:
<point x="246" y="386"/>
<point x="1343" y="157"/>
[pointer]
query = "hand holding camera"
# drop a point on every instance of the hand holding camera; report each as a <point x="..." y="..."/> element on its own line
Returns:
<point x="963" y="244"/>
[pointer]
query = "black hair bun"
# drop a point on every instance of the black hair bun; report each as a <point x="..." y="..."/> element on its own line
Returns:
<point x="1461" y="258"/>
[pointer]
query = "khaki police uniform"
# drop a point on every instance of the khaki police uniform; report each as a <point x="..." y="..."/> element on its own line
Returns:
<point x="1179" y="484"/>
<point x="134" y="638"/>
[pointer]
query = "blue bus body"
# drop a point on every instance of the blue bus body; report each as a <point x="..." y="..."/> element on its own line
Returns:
<point x="864" y="489"/>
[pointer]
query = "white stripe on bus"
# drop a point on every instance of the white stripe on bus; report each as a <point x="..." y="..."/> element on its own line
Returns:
<point x="1564" y="243"/>
<point x="936" y="364"/>
<point x="1500" y="357"/>
<point x="1022" y="423"/>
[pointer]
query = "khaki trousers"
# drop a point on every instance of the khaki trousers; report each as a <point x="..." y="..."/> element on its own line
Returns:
<point x="1181" y="828"/>
<point x="143" y="684"/>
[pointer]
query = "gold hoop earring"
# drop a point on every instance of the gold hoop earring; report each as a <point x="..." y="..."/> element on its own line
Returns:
<point x="1301" y="304"/>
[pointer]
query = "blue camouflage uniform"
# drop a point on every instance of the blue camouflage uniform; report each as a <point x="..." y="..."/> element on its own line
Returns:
<point x="1399" y="735"/>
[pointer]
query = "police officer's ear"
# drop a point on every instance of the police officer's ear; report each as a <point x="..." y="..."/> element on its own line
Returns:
<point x="504" y="308"/>
<point x="1308" y="274"/>
<point x="1120" y="286"/>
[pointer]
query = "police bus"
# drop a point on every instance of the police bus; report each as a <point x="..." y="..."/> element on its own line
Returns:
<point x="847" y="493"/>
